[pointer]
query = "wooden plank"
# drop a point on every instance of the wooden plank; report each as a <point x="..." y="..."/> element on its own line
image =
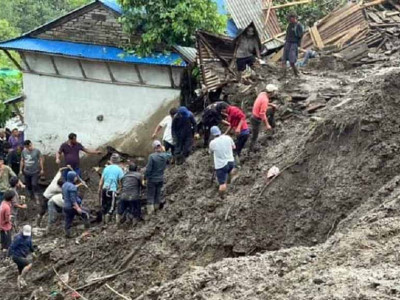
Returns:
<point x="139" y="74"/>
<point x="352" y="33"/>
<point x="315" y="107"/>
<point x="275" y="37"/>
<point x="268" y="12"/>
<point x="336" y="37"/>
<point x="82" y="69"/>
<point x="277" y="56"/>
<point x="317" y="37"/>
<point x="383" y="25"/>
<point x="110" y="72"/>
<point x="54" y="65"/>
<point x="374" y="17"/>
<point x="373" y="3"/>
<point x="339" y="18"/>
<point x="291" y="4"/>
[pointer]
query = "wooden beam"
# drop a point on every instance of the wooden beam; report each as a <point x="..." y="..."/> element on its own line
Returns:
<point x="290" y="4"/>
<point x="316" y="37"/>
<point x="268" y="12"/>
<point x="82" y="70"/>
<point x="277" y="56"/>
<point x="274" y="38"/>
<point x="54" y="65"/>
<point x="171" y="77"/>
<point x="25" y="61"/>
<point x="102" y="81"/>
<point x="139" y="74"/>
<point x="373" y="3"/>
<point x="13" y="60"/>
<point x="110" y="72"/>
<point x="18" y="112"/>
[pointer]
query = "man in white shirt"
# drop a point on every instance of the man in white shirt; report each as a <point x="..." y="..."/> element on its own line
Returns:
<point x="166" y="123"/>
<point x="222" y="146"/>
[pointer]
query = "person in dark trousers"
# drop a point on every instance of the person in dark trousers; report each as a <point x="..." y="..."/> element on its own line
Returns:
<point x="211" y="117"/>
<point x="183" y="129"/>
<point x="14" y="158"/>
<point x="17" y="202"/>
<point x="154" y="176"/>
<point x="110" y="183"/>
<point x="248" y="47"/>
<point x="166" y="123"/>
<point x="72" y="203"/>
<point x="32" y="167"/>
<point x="132" y="185"/>
<point x="20" y="251"/>
<point x="236" y="120"/>
<point x="294" y="35"/>
<point x="3" y="141"/>
<point x="71" y="149"/>
<point x="5" y="220"/>
<point x="263" y="112"/>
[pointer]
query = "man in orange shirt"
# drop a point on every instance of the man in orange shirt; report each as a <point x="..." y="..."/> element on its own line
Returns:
<point x="260" y="110"/>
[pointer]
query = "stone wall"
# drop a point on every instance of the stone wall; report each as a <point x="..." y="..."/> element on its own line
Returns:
<point x="99" y="26"/>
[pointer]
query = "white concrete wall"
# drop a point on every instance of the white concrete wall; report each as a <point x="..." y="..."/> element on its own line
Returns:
<point x="56" y="106"/>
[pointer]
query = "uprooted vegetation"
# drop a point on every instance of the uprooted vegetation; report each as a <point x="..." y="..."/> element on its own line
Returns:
<point x="337" y="168"/>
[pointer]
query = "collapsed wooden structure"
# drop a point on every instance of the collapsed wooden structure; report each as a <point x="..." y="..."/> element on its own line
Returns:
<point x="216" y="57"/>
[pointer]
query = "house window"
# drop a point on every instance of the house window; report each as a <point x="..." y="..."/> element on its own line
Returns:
<point x="98" y="17"/>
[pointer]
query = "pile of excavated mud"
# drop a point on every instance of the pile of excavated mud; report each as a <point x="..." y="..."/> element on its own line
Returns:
<point x="326" y="228"/>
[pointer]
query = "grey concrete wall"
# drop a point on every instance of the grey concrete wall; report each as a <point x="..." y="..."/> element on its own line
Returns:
<point x="54" y="107"/>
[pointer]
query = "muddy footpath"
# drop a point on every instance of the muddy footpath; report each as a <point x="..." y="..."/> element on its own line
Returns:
<point x="326" y="228"/>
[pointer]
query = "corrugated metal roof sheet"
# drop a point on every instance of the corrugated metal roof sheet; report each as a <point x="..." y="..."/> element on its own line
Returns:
<point x="189" y="54"/>
<point x="113" y="4"/>
<point x="88" y="51"/>
<point x="244" y="12"/>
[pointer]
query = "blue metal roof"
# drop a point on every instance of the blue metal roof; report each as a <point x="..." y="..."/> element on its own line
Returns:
<point x="89" y="51"/>
<point x="113" y="4"/>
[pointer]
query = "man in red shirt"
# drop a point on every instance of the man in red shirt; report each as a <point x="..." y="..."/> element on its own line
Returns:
<point x="236" y="120"/>
<point x="263" y="112"/>
<point x="5" y="220"/>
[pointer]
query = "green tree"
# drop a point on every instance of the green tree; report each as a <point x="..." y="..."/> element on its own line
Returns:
<point x="9" y="87"/>
<point x="169" y="22"/>
<point x="27" y="14"/>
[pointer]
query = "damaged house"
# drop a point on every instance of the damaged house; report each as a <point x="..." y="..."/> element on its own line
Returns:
<point x="77" y="78"/>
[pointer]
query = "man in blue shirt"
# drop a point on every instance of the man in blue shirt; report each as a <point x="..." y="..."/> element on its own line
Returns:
<point x="109" y="184"/>
<point x="156" y="165"/>
<point x="20" y="250"/>
<point x="72" y="203"/>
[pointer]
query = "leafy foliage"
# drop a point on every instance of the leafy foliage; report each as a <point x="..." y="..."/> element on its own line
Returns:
<point x="169" y="22"/>
<point x="27" y="14"/>
<point x="308" y="14"/>
<point x="9" y="87"/>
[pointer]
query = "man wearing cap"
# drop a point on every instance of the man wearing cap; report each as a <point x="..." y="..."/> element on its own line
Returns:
<point x="261" y="108"/>
<point x="294" y="35"/>
<point x="222" y="146"/>
<point x="20" y="250"/>
<point x="154" y="175"/>
<point x="109" y="184"/>
<point x="72" y="203"/>
<point x="166" y="123"/>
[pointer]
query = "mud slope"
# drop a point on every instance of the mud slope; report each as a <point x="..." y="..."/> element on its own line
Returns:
<point x="351" y="161"/>
<point x="331" y="164"/>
